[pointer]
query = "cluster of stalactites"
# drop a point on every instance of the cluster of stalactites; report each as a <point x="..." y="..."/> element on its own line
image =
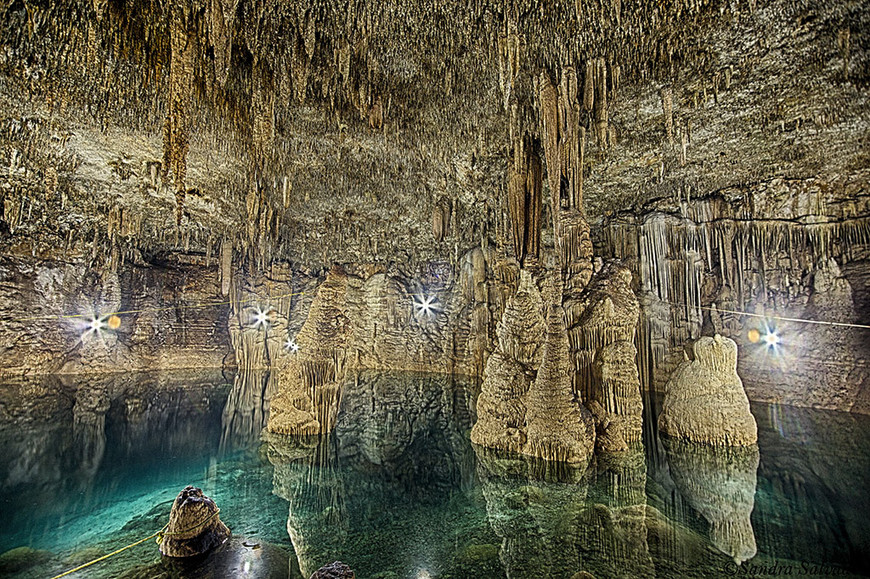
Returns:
<point x="176" y="128"/>
<point x="524" y="200"/>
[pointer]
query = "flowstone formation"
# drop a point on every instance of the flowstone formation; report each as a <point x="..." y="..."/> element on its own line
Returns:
<point x="368" y="319"/>
<point x="705" y="401"/>
<point x="526" y="404"/>
<point x="309" y="389"/>
<point x="601" y="330"/>
<point x="702" y="473"/>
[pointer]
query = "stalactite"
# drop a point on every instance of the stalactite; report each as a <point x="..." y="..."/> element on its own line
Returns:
<point x="550" y="117"/>
<point x="524" y="199"/>
<point x="569" y="123"/>
<point x="226" y="266"/>
<point x="262" y="113"/>
<point x="589" y="86"/>
<point x="176" y="130"/>
<point x="667" y="97"/>
<point x="441" y="219"/>
<point x="599" y="110"/>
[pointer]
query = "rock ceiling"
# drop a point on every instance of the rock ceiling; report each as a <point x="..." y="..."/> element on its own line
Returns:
<point x="328" y="131"/>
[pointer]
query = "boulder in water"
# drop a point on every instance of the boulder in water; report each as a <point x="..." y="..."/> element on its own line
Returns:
<point x="194" y="527"/>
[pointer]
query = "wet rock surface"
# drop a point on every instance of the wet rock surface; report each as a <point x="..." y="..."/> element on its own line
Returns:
<point x="195" y="527"/>
<point x="705" y="401"/>
<point x="334" y="570"/>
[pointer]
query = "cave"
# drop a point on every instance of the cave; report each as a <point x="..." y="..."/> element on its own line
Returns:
<point x="500" y="288"/>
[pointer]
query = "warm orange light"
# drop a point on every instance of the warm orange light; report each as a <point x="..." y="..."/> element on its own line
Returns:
<point x="753" y="335"/>
<point x="114" y="322"/>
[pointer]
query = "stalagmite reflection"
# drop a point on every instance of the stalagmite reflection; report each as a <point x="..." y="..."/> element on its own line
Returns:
<point x="374" y="492"/>
<point x="719" y="483"/>
<point x="89" y="430"/>
<point x="534" y="506"/>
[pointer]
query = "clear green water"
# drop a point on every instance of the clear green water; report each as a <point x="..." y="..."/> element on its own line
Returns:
<point x="398" y="491"/>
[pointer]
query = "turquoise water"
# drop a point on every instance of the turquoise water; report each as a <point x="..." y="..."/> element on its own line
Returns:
<point x="89" y="466"/>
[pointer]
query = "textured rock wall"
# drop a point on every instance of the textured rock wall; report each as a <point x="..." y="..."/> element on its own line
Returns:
<point x="168" y="316"/>
<point x="436" y="323"/>
<point x="754" y="259"/>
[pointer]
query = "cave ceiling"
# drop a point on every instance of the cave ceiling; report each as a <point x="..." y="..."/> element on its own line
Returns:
<point x="328" y="131"/>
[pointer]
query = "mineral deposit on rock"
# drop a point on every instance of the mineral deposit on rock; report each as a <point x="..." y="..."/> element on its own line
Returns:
<point x="704" y="399"/>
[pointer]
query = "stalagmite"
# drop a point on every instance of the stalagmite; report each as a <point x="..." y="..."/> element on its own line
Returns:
<point x="310" y="379"/>
<point x="705" y="401"/>
<point x="501" y="407"/>
<point x="559" y="427"/>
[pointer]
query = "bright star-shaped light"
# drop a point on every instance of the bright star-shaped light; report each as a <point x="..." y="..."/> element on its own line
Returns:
<point x="771" y="339"/>
<point x="261" y="318"/>
<point x="426" y="306"/>
<point x="291" y="345"/>
<point x="94" y="326"/>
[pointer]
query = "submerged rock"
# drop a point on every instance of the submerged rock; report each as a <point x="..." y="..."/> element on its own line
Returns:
<point x="335" y="570"/>
<point x="705" y="401"/>
<point x="21" y="558"/>
<point x="195" y="526"/>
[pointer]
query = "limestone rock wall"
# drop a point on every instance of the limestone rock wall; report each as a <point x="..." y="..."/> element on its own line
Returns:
<point x="55" y="317"/>
<point x="439" y="324"/>
<point x="752" y="259"/>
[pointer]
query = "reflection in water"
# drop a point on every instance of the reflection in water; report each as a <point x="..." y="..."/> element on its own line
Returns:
<point x="247" y="408"/>
<point x="536" y="510"/>
<point x="89" y="430"/>
<point x="394" y="470"/>
<point x="398" y="490"/>
<point x="719" y="483"/>
<point x="73" y="443"/>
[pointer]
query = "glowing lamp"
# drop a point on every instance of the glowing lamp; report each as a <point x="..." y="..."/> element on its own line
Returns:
<point x="261" y="318"/>
<point x="291" y="345"/>
<point x="425" y="306"/>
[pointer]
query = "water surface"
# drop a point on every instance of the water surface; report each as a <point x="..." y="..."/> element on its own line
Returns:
<point x="90" y="465"/>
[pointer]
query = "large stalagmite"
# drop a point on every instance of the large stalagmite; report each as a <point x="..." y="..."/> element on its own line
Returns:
<point x="501" y="406"/>
<point x="310" y="380"/>
<point x="526" y="403"/>
<point x="559" y="427"/>
<point x="705" y="401"/>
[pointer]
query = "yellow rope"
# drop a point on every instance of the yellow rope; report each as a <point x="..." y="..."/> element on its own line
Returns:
<point x="104" y="557"/>
<point x="159" y="534"/>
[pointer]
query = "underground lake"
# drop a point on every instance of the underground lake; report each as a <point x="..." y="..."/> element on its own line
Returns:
<point x="398" y="489"/>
